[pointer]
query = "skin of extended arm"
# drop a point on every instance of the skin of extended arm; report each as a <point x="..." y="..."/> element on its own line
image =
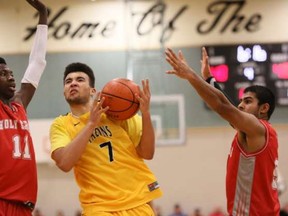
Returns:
<point x="244" y="122"/>
<point x="146" y="147"/>
<point x="68" y="156"/>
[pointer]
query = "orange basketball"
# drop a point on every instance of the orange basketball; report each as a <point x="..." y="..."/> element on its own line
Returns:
<point x="119" y="95"/>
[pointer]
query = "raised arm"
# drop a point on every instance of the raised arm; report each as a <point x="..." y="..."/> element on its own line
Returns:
<point x="146" y="147"/>
<point x="42" y="10"/>
<point x="37" y="61"/>
<point x="208" y="76"/>
<point x="214" y="98"/>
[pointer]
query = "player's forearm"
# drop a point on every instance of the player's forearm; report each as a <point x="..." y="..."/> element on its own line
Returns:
<point x="37" y="58"/>
<point x="43" y="16"/>
<point x="146" y="148"/>
<point x="212" y="81"/>
<point x="68" y="156"/>
<point x="214" y="98"/>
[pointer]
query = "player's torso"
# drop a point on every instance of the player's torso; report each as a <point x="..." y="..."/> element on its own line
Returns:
<point x="251" y="180"/>
<point x="108" y="143"/>
<point x="17" y="158"/>
<point x="110" y="167"/>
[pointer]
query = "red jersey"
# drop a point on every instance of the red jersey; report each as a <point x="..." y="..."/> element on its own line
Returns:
<point x="251" y="180"/>
<point x="18" y="177"/>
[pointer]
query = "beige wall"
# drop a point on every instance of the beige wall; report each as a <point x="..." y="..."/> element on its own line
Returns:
<point x="192" y="174"/>
<point x="114" y="20"/>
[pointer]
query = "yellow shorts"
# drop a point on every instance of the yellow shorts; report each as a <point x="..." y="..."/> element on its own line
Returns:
<point x="143" y="210"/>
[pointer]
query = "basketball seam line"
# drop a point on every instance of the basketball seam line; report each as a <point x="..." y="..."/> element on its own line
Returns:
<point x="120" y="97"/>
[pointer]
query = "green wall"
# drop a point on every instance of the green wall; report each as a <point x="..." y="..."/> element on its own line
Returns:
<point x="49" y="102"/>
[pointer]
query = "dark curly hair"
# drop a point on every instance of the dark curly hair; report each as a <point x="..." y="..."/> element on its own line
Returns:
<point x="81" y="67"/>
<point x="2" y="61"/>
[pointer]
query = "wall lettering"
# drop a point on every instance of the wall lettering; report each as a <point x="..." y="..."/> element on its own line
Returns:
<point x="155" y="15"/>
<point x="227" y="16"/>
<point x="60" y="28"/>
<point x="236" y="22"/>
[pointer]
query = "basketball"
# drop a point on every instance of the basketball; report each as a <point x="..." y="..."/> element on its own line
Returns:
<point x="119" y="95"/>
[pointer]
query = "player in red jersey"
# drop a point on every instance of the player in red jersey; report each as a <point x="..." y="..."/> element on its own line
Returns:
<point x="18" y="177"/>
<point x="251" y="180"/>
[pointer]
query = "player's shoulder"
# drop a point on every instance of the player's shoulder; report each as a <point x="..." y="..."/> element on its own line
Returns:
<point x="61" y="118"/>
<point x="268" y="126"/>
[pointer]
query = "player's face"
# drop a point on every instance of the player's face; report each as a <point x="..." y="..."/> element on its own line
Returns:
<point x="249" y="103"/>
<point x="7" y="83"/>
<point x="76" y="88"/>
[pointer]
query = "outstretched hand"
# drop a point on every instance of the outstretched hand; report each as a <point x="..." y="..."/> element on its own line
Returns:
<point x="41" y="8"/>
<point x="205" y="67"/>
<point x="178" y="63"/>
<point x="38" y="5"/>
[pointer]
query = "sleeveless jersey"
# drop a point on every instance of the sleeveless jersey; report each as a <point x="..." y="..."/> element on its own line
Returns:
<point x="251" y="181"/>
<point x="110" y="174"/>
<point x="18" y="177"/>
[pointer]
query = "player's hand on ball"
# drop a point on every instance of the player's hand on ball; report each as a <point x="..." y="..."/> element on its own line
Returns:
<point x="96" y="109"/>
<point x="144" y="97"/>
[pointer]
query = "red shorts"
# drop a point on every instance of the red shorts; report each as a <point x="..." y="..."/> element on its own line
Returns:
<point x="14" y="208"/>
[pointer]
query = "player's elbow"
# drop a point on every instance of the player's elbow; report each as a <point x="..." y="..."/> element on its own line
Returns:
<point x="62" y="163"/>
<point x="147" y="154"/>
<point x="64" y="167"/>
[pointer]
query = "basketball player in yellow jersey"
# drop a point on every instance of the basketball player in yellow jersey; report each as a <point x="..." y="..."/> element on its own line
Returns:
<point x="107" y="156"/>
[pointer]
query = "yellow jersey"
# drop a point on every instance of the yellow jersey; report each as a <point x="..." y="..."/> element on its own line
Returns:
<point x="110" y="174"/>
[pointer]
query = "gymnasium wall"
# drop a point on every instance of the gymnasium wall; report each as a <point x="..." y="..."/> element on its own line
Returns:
<point x="192" y="174"/>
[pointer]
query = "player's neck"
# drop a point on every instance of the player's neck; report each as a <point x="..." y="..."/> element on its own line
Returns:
<point x="6" y="102"/>
<point x="78" y="110"/>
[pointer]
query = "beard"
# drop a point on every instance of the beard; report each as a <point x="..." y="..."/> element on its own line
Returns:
<point x="77" y="101"/>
